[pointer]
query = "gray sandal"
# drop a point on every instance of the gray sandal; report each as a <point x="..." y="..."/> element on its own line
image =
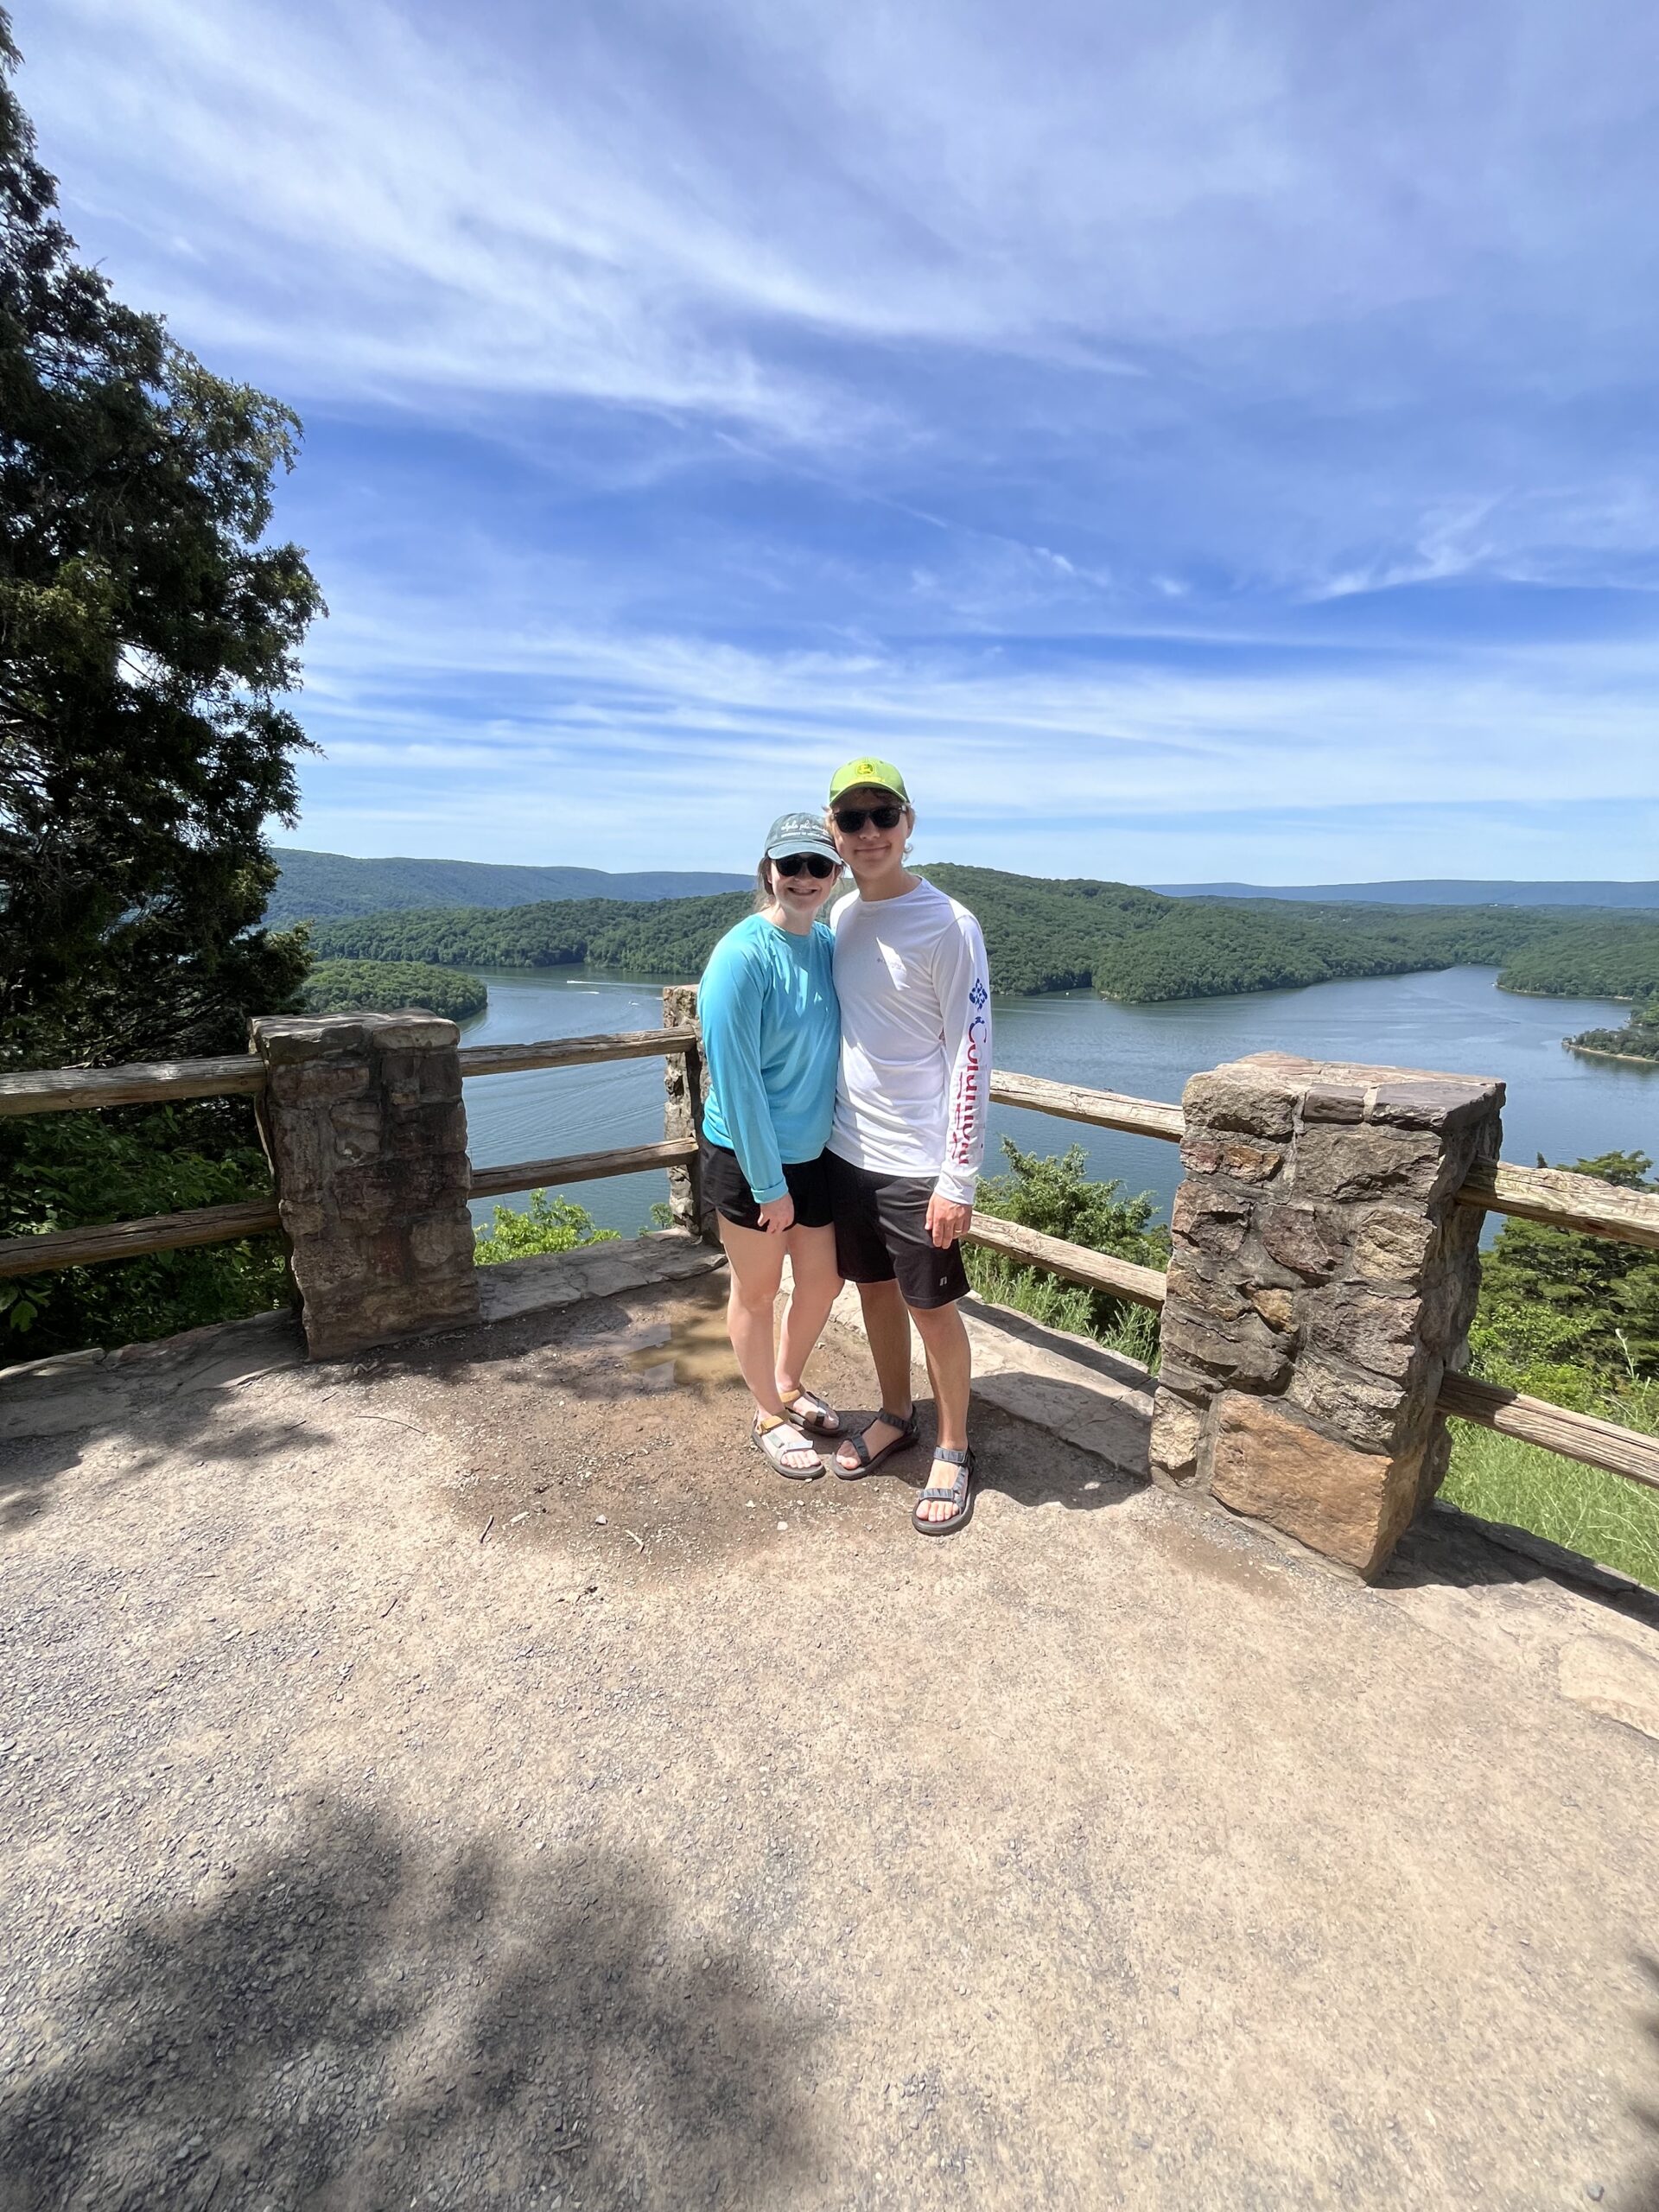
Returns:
<point x="765" y="1428"/>
<point x="868" y="1462"/>
<point x="960" y="1493"/>
<point x="809" y="1411"/>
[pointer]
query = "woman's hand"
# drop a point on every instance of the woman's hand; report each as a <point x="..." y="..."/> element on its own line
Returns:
<point x="778" y="1215"/>
<point x="946" y="1221"/>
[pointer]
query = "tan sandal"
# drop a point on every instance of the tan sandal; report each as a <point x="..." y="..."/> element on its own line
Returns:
<point x="765" y="1428"/>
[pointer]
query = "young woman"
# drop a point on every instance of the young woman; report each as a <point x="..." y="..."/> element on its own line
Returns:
<point x="772" y="1038"/>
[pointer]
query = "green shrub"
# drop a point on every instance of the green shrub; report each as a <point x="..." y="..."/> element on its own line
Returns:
<point x="545" y="1225"/>
<point x="1053" y="1195"/>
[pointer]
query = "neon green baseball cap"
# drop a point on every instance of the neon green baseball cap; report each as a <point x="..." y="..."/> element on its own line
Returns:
<point x="880" y="775"/>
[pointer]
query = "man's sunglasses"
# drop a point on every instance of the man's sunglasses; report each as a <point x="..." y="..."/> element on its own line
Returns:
<point x="849" y="820"/>
<point x="814" y="864"/>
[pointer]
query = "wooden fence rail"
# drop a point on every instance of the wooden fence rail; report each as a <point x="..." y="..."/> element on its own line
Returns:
<point x="581" y="1168"/>
<point x="1565" y="1201"/>
<point x="1556" y="1428"/>
<point x="1103" y="1109"/>
<point x="64" y="1090"/>
<point x="1072" y="1262"/>
<point x="575" y="1052"/>
<point x="130" y="1240"/>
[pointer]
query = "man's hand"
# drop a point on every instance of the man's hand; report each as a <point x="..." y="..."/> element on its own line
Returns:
<point x="946" y="1220"/>
<point x="778" y="1215"/>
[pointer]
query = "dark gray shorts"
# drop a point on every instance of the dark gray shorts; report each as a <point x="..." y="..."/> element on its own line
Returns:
<point x="881" y="1235"/>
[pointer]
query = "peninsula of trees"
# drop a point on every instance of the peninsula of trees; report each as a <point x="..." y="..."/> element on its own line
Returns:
<point x="1069" y="934"/>
<point x="389" y="986"/>
<point x="1637" y="1040"/>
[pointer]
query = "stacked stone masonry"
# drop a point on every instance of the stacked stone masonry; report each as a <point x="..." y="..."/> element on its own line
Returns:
<point x="1322" y="1281"/>
<point x="364" y="1122"/>
<point x="686" y="1086"/>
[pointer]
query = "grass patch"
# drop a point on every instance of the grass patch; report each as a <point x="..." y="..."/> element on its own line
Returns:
<point x="1582" y="1508"/>
<point x="1131" y="1330"/>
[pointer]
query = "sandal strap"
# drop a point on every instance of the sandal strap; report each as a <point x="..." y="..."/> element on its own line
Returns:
<point x="952" y="1457"/>
<point x="779" y="1452"/>
<point x="904" y="1423"/>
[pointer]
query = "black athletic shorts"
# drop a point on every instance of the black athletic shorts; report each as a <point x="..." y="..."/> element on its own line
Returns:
<point x="726" y="1189"/>
<point x="881" y="1235"/>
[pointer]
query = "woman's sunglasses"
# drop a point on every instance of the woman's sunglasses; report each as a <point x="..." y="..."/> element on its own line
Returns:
<point x="849" y="820"/>
<point x="814" y="864"/>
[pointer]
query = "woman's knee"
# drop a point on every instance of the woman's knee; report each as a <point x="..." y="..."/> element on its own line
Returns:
<point x="754" y="1294"/>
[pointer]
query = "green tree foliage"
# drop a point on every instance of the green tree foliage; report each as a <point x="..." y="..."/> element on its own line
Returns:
<point x="1054" y="1195"/>
<point x="147" y="635"/>
<point x="1573" y="1319"/>
<point x="1588" y="1306"/>
<point x="1041" y="935"/>
<point x="1598" y="959"/>
<point x="666" y="937"/>
<point x="386" y="986"/>
<point x="123" y="1166"/>
<point x="1637" y="1040"/>
<point x="544" y="1226"/>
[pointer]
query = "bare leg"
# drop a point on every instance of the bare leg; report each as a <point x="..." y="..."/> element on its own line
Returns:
<point x="757" y="1263"/>
<point x="886" y="1324"/>
<point x="816" y="1282"/>
<point x="950" y="1369"/>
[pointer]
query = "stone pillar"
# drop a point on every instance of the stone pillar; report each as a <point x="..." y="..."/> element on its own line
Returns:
<point x="368" y="1135"/>
<point x="685" y="1081"/>
<point x="1323" y="1280"/>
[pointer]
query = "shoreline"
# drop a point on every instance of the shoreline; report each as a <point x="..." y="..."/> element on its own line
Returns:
<point x="1599" y="1052"/>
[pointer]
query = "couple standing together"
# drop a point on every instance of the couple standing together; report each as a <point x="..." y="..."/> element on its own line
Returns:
<point x="844" y="1125"/>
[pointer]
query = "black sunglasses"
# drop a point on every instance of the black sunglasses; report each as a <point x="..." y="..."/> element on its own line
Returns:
<point x="849" y="820"/>
<point x="814" y="863"/>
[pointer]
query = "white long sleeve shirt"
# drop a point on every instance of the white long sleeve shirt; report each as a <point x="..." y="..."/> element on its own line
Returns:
<point x="915" y="996"/>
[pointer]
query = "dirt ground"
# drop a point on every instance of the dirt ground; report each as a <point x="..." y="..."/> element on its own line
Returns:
<point x="473" y="1776"/>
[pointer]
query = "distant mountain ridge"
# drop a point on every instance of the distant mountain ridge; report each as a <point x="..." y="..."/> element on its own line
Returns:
<point x="1430" y="891"/>
<point x="324" y="886"/>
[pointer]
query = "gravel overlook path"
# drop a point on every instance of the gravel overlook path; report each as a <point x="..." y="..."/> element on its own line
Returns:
<point x="471" y="1776"/>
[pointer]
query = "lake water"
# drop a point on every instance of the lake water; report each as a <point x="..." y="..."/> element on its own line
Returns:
<point x="1559" y="1103"/>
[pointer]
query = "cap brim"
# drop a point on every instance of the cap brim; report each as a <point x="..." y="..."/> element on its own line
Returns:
<point x="787" y="847"/>
<point x="864" y="785"/>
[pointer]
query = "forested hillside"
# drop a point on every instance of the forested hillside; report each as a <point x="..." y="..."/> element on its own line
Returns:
<point x="1589" y="959"/>
<point x="1059" y="935"/>
<point x="322" y="886"/>
<point x="1433" y="891"/>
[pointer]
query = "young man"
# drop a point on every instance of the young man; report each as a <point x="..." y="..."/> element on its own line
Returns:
<point x="909" y="1131"/>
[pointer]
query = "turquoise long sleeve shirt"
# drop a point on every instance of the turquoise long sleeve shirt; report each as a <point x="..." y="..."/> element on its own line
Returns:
<point x="772" y="1037"/>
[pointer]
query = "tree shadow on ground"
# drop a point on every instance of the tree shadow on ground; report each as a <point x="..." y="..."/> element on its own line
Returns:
<point x="361" y="2023"/>
<point x="155" y="1399"/>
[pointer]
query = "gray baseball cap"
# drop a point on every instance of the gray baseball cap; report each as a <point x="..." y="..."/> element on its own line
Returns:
<point x="800" y="832"/>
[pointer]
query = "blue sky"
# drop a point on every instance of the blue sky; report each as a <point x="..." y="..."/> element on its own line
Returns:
<point x="1196" y="441"/>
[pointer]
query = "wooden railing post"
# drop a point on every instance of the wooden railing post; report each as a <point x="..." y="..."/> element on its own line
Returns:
<point x="367" y="1136"/>
<point x="1322" y="1283"/>
<point x="685" y="1081"/>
